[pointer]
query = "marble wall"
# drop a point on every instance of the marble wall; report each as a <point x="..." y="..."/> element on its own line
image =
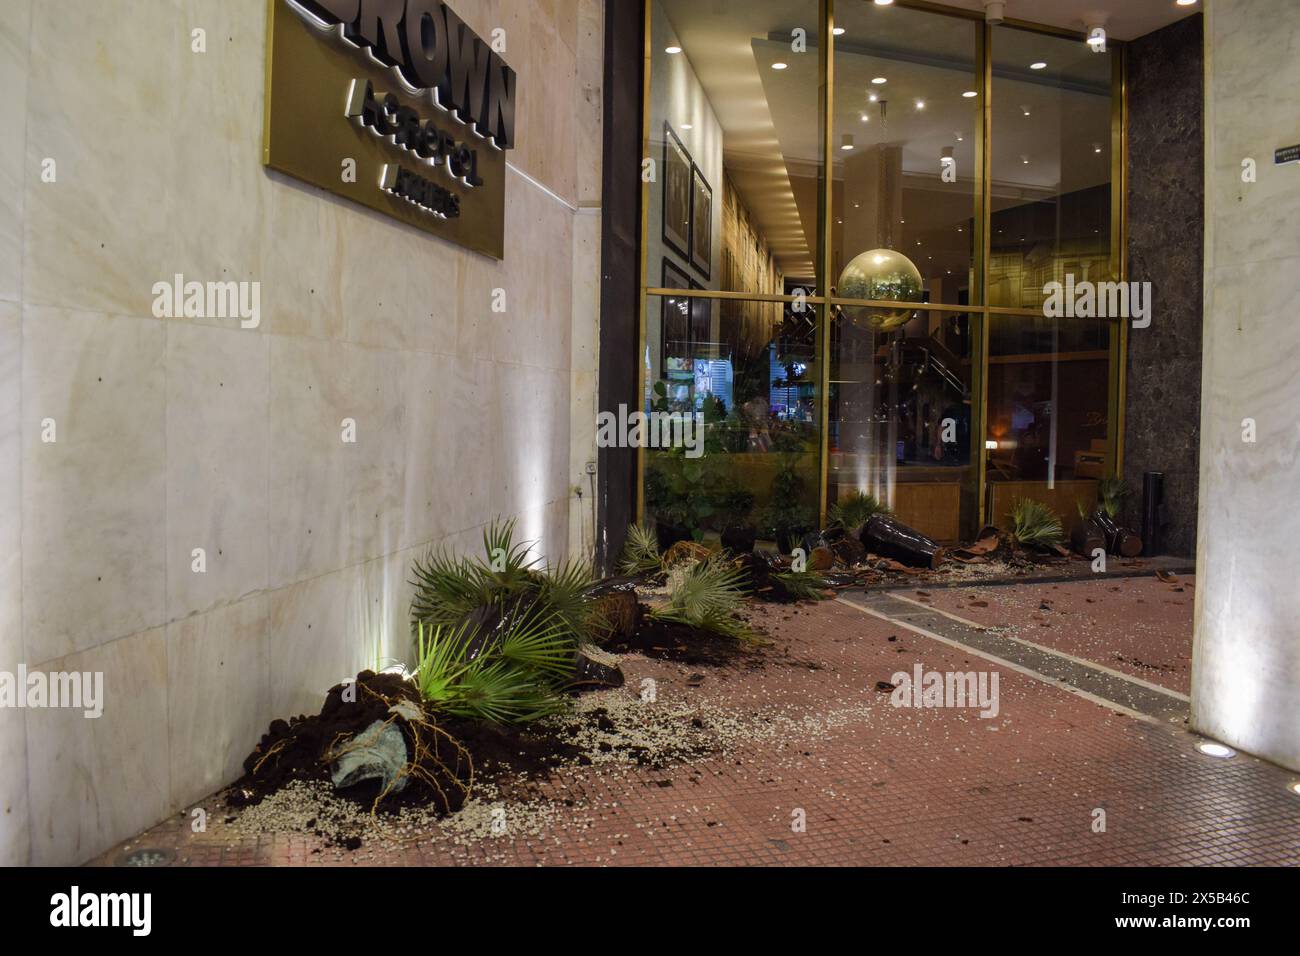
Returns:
<point x="1246" y="656"/>
<point x="1166" y="248"/>
<point x="176" y="434"/>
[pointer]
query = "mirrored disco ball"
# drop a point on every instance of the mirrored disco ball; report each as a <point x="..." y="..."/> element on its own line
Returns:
<point x="880" y="274"/>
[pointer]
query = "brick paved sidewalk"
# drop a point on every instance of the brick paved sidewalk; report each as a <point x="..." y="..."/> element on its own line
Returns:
<point x="875" y="784"/>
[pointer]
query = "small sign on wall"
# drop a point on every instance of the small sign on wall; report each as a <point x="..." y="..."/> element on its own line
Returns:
<point x="1287" y="154"/>
<point x="394" y="104"/>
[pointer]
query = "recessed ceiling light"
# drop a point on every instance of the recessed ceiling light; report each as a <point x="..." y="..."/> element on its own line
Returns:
<point x="1040" y="65"/>
<point x="672" y="49"/>
<point x="969" y="93"/>
<point x="866" y="118"/>
<point x="687" y="126"/>
<point x="878" y="80"/>
<point x="779" y="66"/>
<point x="1185" y="3"/>
<point x="1211" y="749"/>
<point x="837" y="31"/>
<point x="883" y="3"/>
<point x="873" y="97"/>
<point x="920" y="104"/>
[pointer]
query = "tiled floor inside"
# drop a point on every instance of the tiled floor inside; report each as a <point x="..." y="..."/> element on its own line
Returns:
<point x="816" y="765"/>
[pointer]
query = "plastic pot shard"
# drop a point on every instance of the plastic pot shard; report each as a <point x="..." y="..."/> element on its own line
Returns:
<point x="889" y="538"/>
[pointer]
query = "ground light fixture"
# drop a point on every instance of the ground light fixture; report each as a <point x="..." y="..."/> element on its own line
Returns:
<point x="672" y="50"/>
<point x="970" y="93"/>
<point x="779" y="65"/>
<point x="1038" y="65"/>
<point x="1212" y="749"/>
<point x="879" y="80"/>
<point x="837" y="31"/>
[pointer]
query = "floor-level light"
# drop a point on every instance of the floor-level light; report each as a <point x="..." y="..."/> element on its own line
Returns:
<point x="1212" y="749"/>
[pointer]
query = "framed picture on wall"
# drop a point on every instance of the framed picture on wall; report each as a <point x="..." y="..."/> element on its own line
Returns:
<point x="674" y="323"/>
<point x="701" y="222"/>
<point x="677" y="194"/>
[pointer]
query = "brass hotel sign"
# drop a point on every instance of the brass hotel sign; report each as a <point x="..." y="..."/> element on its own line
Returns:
<point x="395" y="104"/>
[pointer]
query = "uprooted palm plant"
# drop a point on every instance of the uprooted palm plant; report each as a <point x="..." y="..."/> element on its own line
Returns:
<point x="855" y="510"/>
<point x="449" y="590"/>
<point x="1035" y="525"/>
<point x="640" y="551"/>
<point x="498" y="637"/>
<point x="803" y="585"/>
<point x="706" y="595"/>
<point x="509" y="673"/>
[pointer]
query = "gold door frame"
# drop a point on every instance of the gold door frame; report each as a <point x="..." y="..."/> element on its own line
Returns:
<point x="980" y="311"/>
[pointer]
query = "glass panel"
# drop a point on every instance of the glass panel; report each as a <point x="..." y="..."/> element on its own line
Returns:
<point x="736" y="134"/>
<point x="1051" y="164"/>
<point x="1048" y="412"/>
<point x="900" y="415"/>
<point x="746" y="373"/>
<point x="904" y="173"/>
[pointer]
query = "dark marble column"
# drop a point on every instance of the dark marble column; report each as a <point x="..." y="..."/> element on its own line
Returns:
<point x="1166" y="227"/>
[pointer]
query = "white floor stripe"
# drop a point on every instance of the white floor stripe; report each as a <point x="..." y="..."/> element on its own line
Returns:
<point x="1018" y="668"/>
<point x="1168" y="691"/>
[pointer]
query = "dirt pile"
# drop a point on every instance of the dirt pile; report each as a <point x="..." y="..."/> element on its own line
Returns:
<point x="439" y="768"/>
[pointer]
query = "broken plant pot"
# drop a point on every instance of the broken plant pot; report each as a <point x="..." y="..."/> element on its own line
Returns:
<point x="848" y="550"/>
<point x="1087" y="537"/>
<point x="1119" y="540"/>
<point x="812" y="541"/>
<point x="890" y="538"/>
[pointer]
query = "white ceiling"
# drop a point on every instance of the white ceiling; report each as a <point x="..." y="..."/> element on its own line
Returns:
<point x="1125" y="19"/>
